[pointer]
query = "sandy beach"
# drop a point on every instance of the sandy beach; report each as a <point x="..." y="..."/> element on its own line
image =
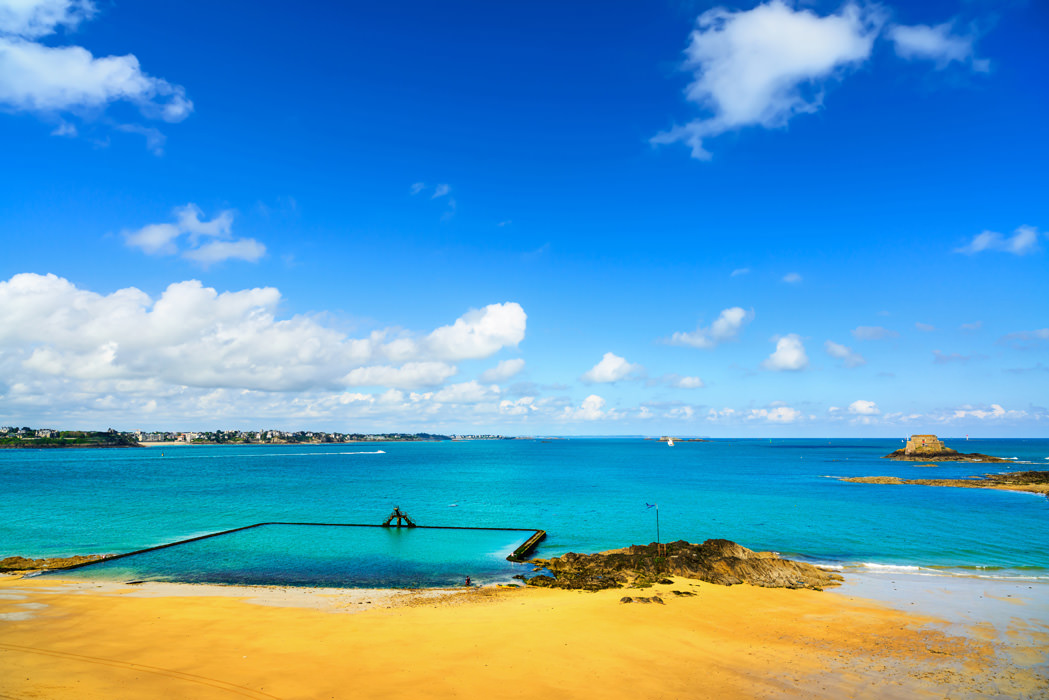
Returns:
<point x="90" y="640"/>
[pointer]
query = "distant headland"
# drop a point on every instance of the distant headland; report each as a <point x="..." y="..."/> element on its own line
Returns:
<point x="45" y="438"/>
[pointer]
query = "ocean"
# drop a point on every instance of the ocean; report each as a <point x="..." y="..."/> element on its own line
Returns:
<point x="588" y="494"/>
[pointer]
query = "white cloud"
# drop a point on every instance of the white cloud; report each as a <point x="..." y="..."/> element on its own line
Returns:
<point x="35" y="77"/>
<point x="993" y="412"/>
<point x="924" y="327"/>
<point x="592" y="408"/>
<point x="864" y="408"/>
<point x="681" y="413"/>
<point x="440" y="191"/>
<point x="778" y="414"/>
<point x="724" y="414"/>
<point x="74" y="346"/>
<point x="1023" y="241"/>
<point x="467" y="392"/>
<point x="873" y="333"/>
<point x="411" y="375"/>
<point x="611" y="368"/>
<point x="687" y="382"/>
<point x="760" y="67"/>
<point x="937" y="44"/>
<point x="792" y="278"/>
<point x="479" y="333"/>
<point x="970" y="327"/>
<point x="503" y="371"/>
<point x="418" y="187"/>
<point x="789" y="354"/>
<point x="844" y="353"/>
<point x="520" y="407"/>
<point x="165" y="238"/>
<point x="219" y="251"/>
<point x="740" y="271"/>
<point x="36" y="18"/>
<point x="727" y="327"/>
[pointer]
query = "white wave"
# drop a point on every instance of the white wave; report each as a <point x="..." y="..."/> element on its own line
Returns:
<point x="889" y="567"/>
<point x="974" y="572"/>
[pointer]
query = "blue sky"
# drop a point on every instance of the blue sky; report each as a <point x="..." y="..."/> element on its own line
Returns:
<point x="737" y="219"/>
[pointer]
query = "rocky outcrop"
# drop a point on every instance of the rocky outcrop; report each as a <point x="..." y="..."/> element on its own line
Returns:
<point x="947" y="455"/>
<point x="1032" y="482"/>
<point x="23" y="564"/>
<point x="715" y="561"/>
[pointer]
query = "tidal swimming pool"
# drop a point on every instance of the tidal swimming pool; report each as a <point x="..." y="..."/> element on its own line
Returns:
<point x="317" y="555"/>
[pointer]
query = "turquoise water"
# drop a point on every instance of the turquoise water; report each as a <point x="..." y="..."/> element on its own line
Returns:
<point x="588" y="494"/>
<point x="325" y="556"/>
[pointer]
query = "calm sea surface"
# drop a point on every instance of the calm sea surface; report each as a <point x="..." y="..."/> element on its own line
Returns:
<point x="589" y="494"/>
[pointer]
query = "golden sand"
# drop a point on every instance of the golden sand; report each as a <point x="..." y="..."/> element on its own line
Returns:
<point x="88" y="641"/>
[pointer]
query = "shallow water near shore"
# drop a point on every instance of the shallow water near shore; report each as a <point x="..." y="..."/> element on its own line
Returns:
<point x="589" y="494"/>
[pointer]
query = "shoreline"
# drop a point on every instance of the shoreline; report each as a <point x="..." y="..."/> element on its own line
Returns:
<point x="85" y="639"/>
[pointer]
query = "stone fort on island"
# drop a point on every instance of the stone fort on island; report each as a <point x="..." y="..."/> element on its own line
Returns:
<point x="925" y="444"/>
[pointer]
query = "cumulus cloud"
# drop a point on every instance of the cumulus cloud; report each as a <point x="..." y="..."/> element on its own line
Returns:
<point x="503" y="371"/>
<point x="685" y="382"/>
<point x="52" y="80"/>
<point x="520" y="407"/>
<point x="592" y="408"/>
<point x="873" y="333"/>
<point x="992" y="412"/>
<point x="777" y="414"/>
<point x="760" y="67"/>
<point x="844" y="353"/>
<point x="467" y="392"/>
<point x="194" y="337"/>
<point x="204" y="242"/>
<point x="727" y="327"/>
<point x="410" y="375"/>
<point x="792" y="278"/>
<point x="681" y="413"/>
<point x="789" y="354"/>
<point x="1023" y="241"/>
<point x="938" y="44"/>
<point x="479" y="333"/>
<point x="861" y="407"/>
<point x="611" y="368"/>
<point x="36" y="18"/>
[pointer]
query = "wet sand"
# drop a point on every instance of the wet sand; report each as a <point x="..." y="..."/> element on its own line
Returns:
<point x="88" y="640"/>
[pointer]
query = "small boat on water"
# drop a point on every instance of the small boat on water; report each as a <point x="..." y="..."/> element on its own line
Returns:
<point x="670" y="441"/>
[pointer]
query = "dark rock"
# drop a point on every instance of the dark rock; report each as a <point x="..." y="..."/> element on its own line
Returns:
<point x="715" y="561"/>
<point x="946" y="455"/>
<point x="638" y="599"/>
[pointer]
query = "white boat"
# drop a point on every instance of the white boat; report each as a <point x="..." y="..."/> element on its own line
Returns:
<point x="670" y="442"/>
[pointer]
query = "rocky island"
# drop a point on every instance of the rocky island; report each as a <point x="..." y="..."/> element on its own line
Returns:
<point x="929" y="448"/>
<point x="715" y="561"/>
<point x="1028" y="482"/>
